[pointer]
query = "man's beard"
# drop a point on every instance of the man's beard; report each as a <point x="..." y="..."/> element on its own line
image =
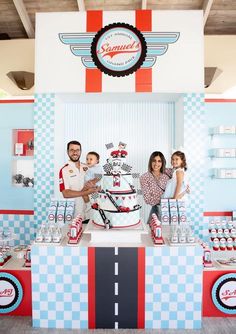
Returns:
<point x="74" y="159"/>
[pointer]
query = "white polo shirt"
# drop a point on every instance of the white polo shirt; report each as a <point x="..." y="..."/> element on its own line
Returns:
<point x="71" y="177"/>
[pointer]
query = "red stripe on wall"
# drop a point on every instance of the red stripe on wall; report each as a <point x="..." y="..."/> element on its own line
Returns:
<point x="143" y="80"/>
<point x="141" y="287"/>
<point x="94" y="20"/>
<point x="220" y="100"/>
<point x="143" y="77"/>
<point x="17" y="212"/>
<point x="217" y="214"/>
<point x="93" y="81"/>
<point x="91" y="288"/>
<point x="16" y="101"/>
<point x="143" y="19"/>
<point x="93" y="77"/>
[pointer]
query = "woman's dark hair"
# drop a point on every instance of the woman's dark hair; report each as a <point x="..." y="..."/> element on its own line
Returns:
<point x="151" y="159"/>
<point x="96" y="155"/>
<point x="182" y="157"/>
<point x="73" y="142"/>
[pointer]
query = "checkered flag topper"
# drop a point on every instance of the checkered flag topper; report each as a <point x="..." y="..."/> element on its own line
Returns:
<point x="126" y="168"/>
<point x="109" y="146"/>
<point x="136" y="175"/>
<point x="122" y="144"/>
<point x="139" y="192"/>
<point x="98" y="176"/>
<point x="107" y="168"/>
<point x="95" y="196"/>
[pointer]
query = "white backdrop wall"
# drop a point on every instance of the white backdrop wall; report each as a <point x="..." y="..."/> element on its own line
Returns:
<point x="180" y="69"/>
<point x="144" y="126"/>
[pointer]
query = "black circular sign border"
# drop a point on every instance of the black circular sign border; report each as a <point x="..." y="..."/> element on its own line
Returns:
<point x="217" y="294"/>
<point x="5" y="307"/>
<point x="133" y="68"/>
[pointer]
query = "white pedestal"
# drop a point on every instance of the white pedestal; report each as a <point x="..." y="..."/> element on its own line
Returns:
<point x="125" y="235"/>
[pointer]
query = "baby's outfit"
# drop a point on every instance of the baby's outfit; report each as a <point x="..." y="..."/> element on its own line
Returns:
<point x="90" y="175"/>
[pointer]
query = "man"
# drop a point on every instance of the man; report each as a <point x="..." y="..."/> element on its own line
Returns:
<point x="71" y="178"/>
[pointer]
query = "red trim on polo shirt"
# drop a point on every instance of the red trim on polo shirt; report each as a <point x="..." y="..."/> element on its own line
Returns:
<point x="61" y="180"/>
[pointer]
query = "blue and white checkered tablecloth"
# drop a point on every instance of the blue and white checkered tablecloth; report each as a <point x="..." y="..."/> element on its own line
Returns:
<point x="60" y="287"/>
<point x="173" y="290"/>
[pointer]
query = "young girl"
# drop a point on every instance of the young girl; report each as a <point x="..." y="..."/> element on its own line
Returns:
<point x="176" y="187"/>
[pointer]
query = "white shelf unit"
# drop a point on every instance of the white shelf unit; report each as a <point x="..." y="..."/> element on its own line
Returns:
<point x="222" y="153"/>
<point x="224" y="173"/>
<point x="223" y="130"/>
<point x="225" y="170"/>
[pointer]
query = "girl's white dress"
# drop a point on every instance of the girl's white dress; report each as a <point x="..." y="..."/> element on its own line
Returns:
<point x="171" y="184"/>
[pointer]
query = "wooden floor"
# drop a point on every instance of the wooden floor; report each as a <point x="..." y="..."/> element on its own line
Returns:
<point x="22" y="325"/>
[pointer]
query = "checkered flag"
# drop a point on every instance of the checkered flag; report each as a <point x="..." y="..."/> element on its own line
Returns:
<point x="95" y="196"/>
<point x="139" y="192"/>
<point x="136" y="175"/>
<point x="107" y="168"/>
<point x="98" y="176"/>
<point x="126" y="168"/>
<point x="122" y="144"/>
<point x="109" y="146"/>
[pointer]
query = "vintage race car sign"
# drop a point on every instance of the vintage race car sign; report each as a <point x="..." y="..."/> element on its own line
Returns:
<point x="11" y="293"/>
<point x="224" y="293"/>
<point x="118" y="49"/>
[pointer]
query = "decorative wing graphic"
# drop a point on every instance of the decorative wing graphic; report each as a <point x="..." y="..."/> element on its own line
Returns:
<point x="157" y="45"/>
<point x="80" y="45"/>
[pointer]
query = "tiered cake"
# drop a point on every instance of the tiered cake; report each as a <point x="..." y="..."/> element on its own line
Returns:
<point x="116" y="204"/>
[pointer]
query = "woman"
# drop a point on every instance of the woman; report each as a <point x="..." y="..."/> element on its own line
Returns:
<point x="153" y="183"/>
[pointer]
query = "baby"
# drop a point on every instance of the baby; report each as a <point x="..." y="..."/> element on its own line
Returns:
<point x="92" y="161"/>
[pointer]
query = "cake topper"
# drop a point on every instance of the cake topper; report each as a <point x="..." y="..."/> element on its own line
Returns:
<point x="116" y="166"/>
<point x="120" y="153"/>
<point x="95" y="196"/>
<point x="98" y="176"/>
<point x="109" y="146"/>
<point x="122" y="145"/>
<point x="127" y="168"/>
<point x="139" y="192"/>
<point x="107" y="168"/>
